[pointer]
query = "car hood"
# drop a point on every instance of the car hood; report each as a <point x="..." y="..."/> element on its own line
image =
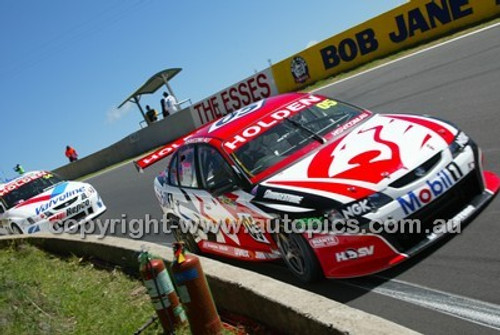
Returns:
<point x="55" y="198"/>
<point x="364" y="161"/>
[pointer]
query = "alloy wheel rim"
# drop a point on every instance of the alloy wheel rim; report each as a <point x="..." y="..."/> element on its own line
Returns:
<point x="292" y="253"/>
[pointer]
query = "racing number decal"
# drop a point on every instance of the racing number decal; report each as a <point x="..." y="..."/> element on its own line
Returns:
<point x="236" y="115"/>
<point x="327" y="103"/>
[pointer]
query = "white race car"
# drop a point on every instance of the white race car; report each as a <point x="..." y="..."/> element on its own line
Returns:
<point x="41" y="201"/>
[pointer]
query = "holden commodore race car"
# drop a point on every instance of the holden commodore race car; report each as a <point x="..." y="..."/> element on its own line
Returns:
<point x="41" y="201"/>
<point x="316" y="161"/>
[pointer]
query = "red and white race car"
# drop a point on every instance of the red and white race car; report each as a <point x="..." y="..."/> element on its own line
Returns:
<point x="321" y="183"/>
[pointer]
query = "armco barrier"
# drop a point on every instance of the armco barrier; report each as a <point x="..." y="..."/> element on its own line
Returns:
<point x="284" y="307"/>
<point x="155" y="135"/>
<point x="407" y="25"/>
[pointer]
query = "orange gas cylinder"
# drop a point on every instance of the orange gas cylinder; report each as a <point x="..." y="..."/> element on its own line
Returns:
<point x="161" y="291"/>
<point x="195" y="294"/>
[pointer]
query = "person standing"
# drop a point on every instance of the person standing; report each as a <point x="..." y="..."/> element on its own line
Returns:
<point x="71" y="154"/>
<point x="168" y="105"/>
<point x="19" y="169"/>
<point x="151" y="114"/>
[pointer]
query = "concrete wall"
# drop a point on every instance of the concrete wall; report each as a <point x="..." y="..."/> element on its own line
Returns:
<point x="284" y="307"/>
<point x="157" y="134"/>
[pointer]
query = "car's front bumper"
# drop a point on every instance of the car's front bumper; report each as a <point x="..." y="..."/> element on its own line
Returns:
<point x="72" y="219"/>
<point x="354" y="255"/>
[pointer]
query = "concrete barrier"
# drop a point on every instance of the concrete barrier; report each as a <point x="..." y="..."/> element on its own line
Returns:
<point x="286" y="308"/>
<point x="157" y="134"/>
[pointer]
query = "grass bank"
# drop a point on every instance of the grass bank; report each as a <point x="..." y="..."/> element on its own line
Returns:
<point x="42" y="294"/>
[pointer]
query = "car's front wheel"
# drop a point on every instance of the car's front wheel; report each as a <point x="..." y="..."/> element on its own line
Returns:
<point x="299" y="257"/>
<point x="15" y="229"/>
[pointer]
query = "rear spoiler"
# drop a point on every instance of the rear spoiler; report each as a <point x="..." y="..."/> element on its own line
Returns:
<point x="161" y="153"/>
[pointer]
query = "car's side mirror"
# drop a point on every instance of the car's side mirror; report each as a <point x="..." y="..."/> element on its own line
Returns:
<point x="224" y="187"/>
<point x="163" y="178"/>
<point x="2" y="208"/>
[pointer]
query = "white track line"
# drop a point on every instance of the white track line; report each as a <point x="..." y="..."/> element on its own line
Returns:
<point x="471" y="310"/>
<point x="410" y="55"/>
<point x="100" y="173"/>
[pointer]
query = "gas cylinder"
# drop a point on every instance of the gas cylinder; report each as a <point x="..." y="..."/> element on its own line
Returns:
<point x="161" y="291"/>
<point x="194" y="292"/>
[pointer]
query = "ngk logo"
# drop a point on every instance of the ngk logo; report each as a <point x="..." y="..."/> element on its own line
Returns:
<point x="350" y="254"/>
<point x="356" y="209"/>
<point x="433" y="188"/>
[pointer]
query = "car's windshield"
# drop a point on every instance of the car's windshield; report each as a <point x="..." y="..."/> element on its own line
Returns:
<point x="284" y="139"/>
<point x="30" y="189"/>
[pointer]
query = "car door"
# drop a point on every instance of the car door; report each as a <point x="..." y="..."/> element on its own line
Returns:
<point x="224" y="202"/>
<point x="181" y="181"/>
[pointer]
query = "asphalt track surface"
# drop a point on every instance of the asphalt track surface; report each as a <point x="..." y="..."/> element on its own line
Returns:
<point x="458" y="81"/>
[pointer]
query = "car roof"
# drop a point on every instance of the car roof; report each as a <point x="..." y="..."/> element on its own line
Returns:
<point x="231" y="123"/>
<point x="21" y="180"/>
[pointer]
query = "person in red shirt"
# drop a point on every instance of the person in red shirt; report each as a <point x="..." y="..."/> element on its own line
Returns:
<point x="71" y="154"/>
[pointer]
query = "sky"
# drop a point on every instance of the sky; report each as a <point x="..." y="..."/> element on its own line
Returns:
<point x="66" y="65"/>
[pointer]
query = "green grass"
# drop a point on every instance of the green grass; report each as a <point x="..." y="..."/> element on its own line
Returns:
<point x="42" y="294"/>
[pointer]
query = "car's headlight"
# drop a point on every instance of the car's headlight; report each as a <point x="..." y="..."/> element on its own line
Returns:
<point x="89" y="190"/>
<point x="459" y="143"/>
<point x="378" y="200"/>
<point x="333" y="215"/>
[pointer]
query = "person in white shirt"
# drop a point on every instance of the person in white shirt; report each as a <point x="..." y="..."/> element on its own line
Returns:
<point x="168" y="105"/>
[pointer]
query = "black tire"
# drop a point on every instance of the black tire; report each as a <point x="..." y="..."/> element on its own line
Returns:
<point x="180" y="236"/>
<point x="15" y="229"/>
<point x="299" y="257"/>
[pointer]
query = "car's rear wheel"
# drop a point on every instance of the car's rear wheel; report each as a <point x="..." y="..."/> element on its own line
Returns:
<point x="299" y="257"/>
<point x="183" y="236"/>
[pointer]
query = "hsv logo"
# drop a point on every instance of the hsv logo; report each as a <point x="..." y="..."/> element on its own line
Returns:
<point x="351" y="254"/>
<point x="433" y="188"/>
<point x="356" y="209"/>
